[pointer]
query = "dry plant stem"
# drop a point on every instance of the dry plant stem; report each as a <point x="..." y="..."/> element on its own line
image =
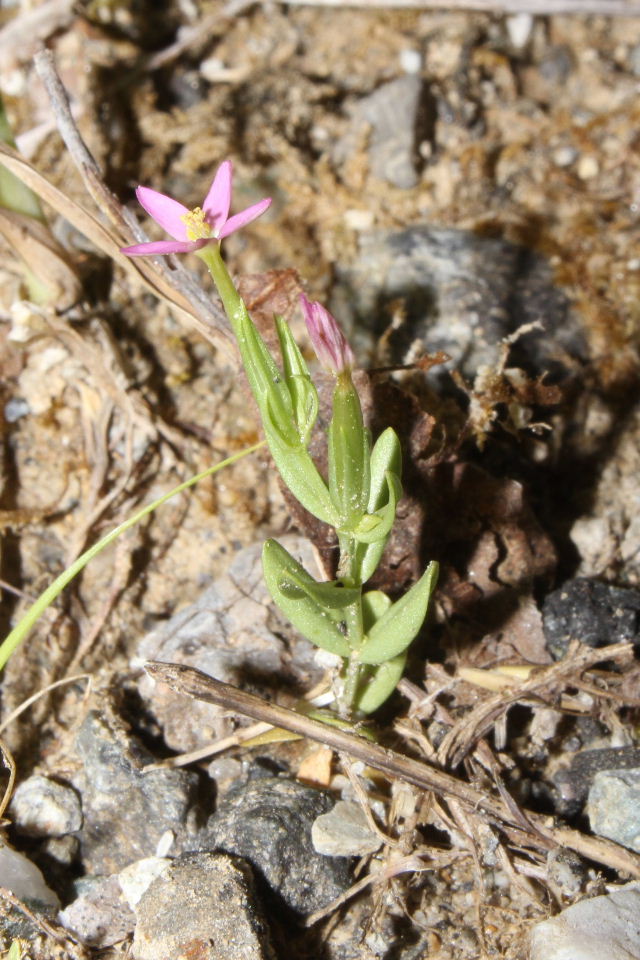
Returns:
<point x="122" y="219"/>
<point x="460" y="739"/>
<point x="61" y="937"/>
<point x="41" y="693"/>
<point x="20" y="35"/>
<point x="541" y="8"/>
<point x="198" y="685"/>
<point x="10" y="764"/>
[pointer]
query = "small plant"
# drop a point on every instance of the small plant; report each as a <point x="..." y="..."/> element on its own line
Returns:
<point x="359" y="498"/>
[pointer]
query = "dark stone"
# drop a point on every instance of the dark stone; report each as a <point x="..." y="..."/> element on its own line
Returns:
<point x="460" y="293"/>
<point x="268" y="823"/>
<point x="592" y="612"/>
<point x="126" y="811"/>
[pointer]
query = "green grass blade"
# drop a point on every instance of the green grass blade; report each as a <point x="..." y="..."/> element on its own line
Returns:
<point x="46" y="598"/>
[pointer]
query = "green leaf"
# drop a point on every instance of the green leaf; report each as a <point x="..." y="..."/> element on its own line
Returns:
<point x="386" y="457"/>
<point x="368" y="532"/>
<point x="304" y="395"/>
<point x="284" y="575"/>
<point x="378" y="683"/>
<point x="395" y="630"/>
<point x="329" y="593"/>
<point x="349" y="454"/>
<point x="375" y="604"/>
<point x="298" y="470"/>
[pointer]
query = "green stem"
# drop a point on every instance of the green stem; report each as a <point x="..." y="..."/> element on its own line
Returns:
<point x="354" y="624"/>
<point x="231" y="299"/>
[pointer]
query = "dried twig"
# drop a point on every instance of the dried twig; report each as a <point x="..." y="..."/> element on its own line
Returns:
<point x="20" y="36"/>
<point x="478" y="721"/>
<point x="540" y="8"/>
<point x="198" y="685"/>
<point x="10" y="764"/>
<point x="121" y="218"/>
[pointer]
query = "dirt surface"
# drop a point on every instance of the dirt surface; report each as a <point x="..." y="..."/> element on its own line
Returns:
<point x="524" y="132"/>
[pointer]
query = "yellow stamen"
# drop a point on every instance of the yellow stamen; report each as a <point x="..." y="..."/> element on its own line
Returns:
<point x="196" y="224"/>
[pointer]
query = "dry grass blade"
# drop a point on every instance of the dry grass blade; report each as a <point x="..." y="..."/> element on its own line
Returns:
<point x="460" y="739"/>
<point x="613" y="8"/>
<point x="108" y="244"/>
<point x="202" y="306"/>
<point x="10" y="764"/>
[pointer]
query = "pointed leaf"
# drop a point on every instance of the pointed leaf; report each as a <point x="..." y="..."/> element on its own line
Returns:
<point x="304" y="395"/>
<point x="281" y="571"/>
<point x="375" y="603"/>
<point x="395" y="630"/>
<point x="349" y="454"/>
<point x="386" y="457"/>
<point x="368" y="532"/>
<point x="380" y="683"/>
<point x="299" y="472"/>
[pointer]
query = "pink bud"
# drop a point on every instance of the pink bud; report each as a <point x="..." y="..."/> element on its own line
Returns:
<point x="329" y="343"/>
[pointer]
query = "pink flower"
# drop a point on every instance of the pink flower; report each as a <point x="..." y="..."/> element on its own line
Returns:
<point x="193" y="229"/>
<point x="329" y="343"/>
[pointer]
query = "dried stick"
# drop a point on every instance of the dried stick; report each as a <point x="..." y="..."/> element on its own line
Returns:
<point x="20" y="35"/>
<point x="122" y="219"/>
<point x="198" y="685"/>
<point x="541" y="8"/>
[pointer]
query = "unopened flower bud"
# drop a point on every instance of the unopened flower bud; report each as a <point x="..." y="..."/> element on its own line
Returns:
<point x="329" y="342"/>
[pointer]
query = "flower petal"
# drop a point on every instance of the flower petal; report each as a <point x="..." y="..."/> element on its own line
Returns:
<point x="246" y="216"/>
<point x="218" y="200"/>
<point x="164" y="210"/>
<point x="161" y="248"/>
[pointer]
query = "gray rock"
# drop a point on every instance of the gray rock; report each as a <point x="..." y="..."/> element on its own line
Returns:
<point x="602" y="927"/>
<point x="461" y="293"/>
<point x="100" y="916"/>
<point x="397" y="114"/>
<point x="40" y="807"/>
<point x="344" y="832"/>
<point x="592" y="612"/>
<point x="24" y="879"/>
<point x="574" y="781"/>
<point x="203" y="905"/>
<point x="229" y="633"/>
<point x="614" y="806"/>
<point x="268" y="822"/>
<point x="126" y="811"/>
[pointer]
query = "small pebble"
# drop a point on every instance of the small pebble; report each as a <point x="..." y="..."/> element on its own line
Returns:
<point x="344" y="832"/>
<point x="411" y="61"/>
<point x="566" y="871"/>
<point x="565" y="156"/>
<point x="100" y="916"/>
<point x="588" y="167"/>
<point x="16" y="408"/>
<point x="519" y="28"/>
<point x="135" y="878"/>
<point x="203" y="906"/>
<point x="43" y="808"/>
